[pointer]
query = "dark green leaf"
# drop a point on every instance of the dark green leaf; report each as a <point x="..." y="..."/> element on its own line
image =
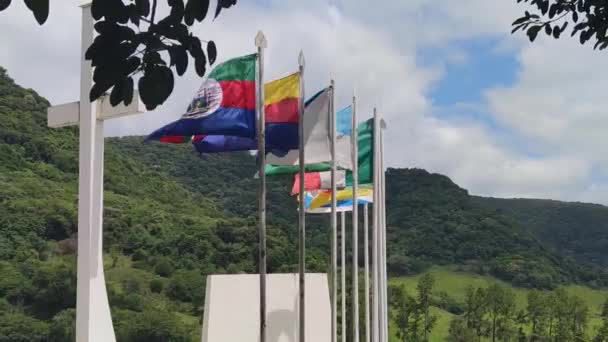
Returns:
<point x="544" y="6"/>
<point x="97" y="9"/>
<point x="133" y="14"/>
<point x="176" y="15"/>
<point x="211" y="52"/>
<point x="116" y="94"/>
<point x="520" y="21"/>
<point x="155" y="86"/>
<point x="557" y="31"/>
<point x="200" y="66"/>
<point x="127" y="90"/>
<point x="99" y="89"/>
<point x="203" y="8"/>
<point x="548" y="29"/>
<point x="192" y="7"/>
<point x="585" y="35"/>
<point x="195" y="48"/>
<point x="131" y="65"/>
<point x="153" y="57"/>
<point x="179" y="58"/>
<point x="517" y="28"/>
<point x="578" y="27"/>
<point x="533" y="32"/>
<point x="4" y="4"/>
<point x="575" y="16"/>
<point x="143" y="7"/>
<point x="553" y="11"/>
<point x="40" y="8"/>
<point x="115" y="10"/>
<point x="117" y="32"/>
<point x="223" y="4"/>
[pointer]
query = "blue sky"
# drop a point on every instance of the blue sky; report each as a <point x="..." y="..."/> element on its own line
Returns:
<point x="478" y="65"/>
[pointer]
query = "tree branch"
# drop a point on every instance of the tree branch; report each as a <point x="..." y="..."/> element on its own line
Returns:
<point x="153" y="12"/>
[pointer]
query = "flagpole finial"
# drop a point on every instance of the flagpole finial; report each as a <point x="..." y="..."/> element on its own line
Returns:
<point x="301" y="60"/>
<point x="260" y="40"/>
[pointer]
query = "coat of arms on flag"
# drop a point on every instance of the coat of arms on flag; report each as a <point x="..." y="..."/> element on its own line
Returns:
<point x="207" y="100"/>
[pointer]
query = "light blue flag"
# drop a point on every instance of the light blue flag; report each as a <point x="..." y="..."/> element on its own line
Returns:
<point x="344" y="121"/>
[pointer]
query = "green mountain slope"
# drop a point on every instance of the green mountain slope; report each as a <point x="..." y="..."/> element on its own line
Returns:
<point x="578" y="230"/>
<point x="171" y="217"/>
<point x="434" y="221"/>
<point x="160" y="237"/>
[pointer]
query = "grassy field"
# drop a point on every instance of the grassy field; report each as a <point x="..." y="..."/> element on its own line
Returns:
<point x="455" y="283"/>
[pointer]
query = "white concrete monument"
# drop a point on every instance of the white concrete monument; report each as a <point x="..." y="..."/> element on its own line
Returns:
<point x="93" y="320"/>
<point x="232" y="308"/>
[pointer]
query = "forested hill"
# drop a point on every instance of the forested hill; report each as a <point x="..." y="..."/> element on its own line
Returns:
<point x="172" y="217"/>
<point x="431" y="220"/>
<point x="578" y="230"/>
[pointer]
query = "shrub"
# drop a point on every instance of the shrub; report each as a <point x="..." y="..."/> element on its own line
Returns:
<point x="63" y="326"/>
<point x="187" y="286"/>
<point x="156" y="285"/>
<point x="164" y="267"/>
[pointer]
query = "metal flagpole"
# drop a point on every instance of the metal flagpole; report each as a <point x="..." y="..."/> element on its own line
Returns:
<point x="375" y="262"/>
<point x="383" y="218"/>
<point x="334" y="222"/>
<point x="366" y="269"/>
<point x="302" y="211"/>
<point x="355" y="222"/>
<point x="381" y="239"/>
<point x="343" y="271"/>
<point x="260" y="43"/>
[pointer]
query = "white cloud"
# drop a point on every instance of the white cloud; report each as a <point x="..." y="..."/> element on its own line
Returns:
<point x="558" y="104"/>
<point x="554" y="109"/>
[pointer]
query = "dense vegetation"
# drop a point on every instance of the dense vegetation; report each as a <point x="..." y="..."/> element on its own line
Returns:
<point x="577" y="230"/>
<point x="160" y="237"/>
<point x="433" y="221"/>
<point x="172" y="217"/>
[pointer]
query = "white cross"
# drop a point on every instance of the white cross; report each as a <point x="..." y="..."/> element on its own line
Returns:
<point x="93" y="320"/>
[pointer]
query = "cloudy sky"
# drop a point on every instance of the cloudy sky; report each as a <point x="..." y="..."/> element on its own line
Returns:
<point x="461" y="95"/>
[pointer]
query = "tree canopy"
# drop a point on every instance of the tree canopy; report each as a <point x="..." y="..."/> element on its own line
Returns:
<point x="586" y="18"/>
<point x="134" y="40"/>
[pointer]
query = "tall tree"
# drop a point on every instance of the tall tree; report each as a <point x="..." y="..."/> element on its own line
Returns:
<point x="475" y="309"/>
<point x="133" y="40"/>
<point x="587" y="18"/>
<point x="538" y="312"/>
<point x="425" y="289"/>
<point x="571" y="317"/>
<point x="406" y="314"/>
<point x="459" y="332"/>
<point x="500" y="302"/>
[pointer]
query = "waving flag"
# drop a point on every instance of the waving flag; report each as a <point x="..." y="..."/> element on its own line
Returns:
<point x="281" y="99"/>
<point x="318" y="181"/>
<point x="365" y="155"/>
<point x="224" y="104"/>
<point x="319" y="202"/>
<point x="317" y="142"/>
